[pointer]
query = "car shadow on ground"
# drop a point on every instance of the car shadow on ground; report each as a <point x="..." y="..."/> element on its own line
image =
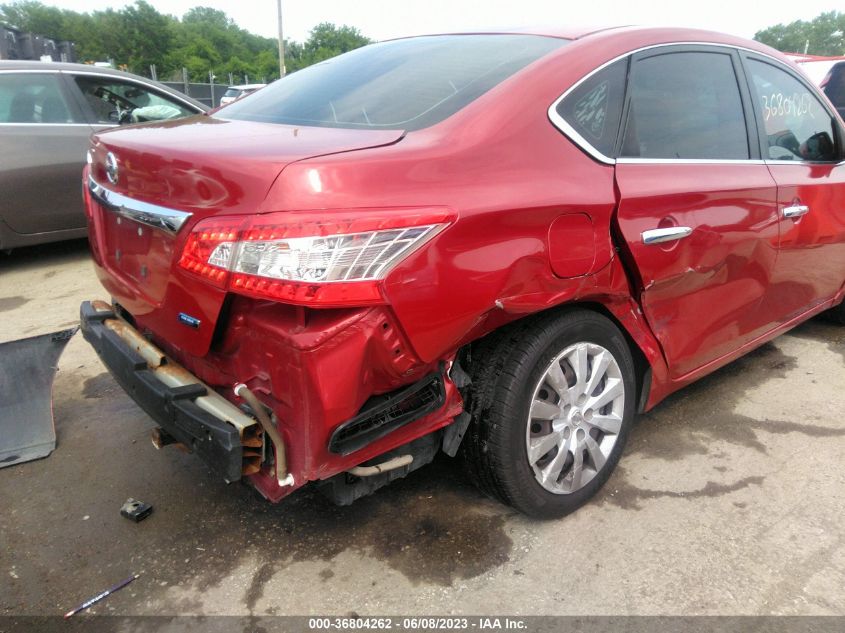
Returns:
<point x="29" y="275"/>
<point x="43" y="255"/>
<point x="702" y="419"/>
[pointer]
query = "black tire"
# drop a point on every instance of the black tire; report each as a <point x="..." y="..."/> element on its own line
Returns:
<point x="505" y="368"/>
<point x="836" y="314"/>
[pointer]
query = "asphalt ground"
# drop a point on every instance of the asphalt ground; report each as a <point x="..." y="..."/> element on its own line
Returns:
<point x="729" y="500"/>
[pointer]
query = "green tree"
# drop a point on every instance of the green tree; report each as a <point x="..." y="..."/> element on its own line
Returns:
<point x="145" y="33"/>
<point x="823" y="35"/>
<point x="267" y="64"/>
<point x="325" y="40"/>
<point x="204" y="40"/>
<point x="35" y="17"/>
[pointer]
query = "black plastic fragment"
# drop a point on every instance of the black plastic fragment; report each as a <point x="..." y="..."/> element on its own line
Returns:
<point x="454" y="433"/>
<point x="135" y="510"/>
<point x="384" y="414"/>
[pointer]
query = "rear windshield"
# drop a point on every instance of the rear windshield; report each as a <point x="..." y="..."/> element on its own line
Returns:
<point x="404" y="84"/>
<point x="232" y="92"/>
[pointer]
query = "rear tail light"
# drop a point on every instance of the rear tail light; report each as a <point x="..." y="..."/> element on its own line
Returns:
<point x="303" y="259"/>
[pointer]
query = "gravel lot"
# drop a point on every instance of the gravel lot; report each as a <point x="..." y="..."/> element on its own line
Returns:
<point x="729" y="500"/>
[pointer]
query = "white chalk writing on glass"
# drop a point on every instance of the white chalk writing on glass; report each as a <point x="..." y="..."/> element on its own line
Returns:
<point x="778" y="104"/>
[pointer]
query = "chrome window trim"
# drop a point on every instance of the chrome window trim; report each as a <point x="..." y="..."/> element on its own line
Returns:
<point x="690" y="161"/>
<point x="50" y="124"/>
<point x="9" y="71"/>
<point x="158" y="217"/>
<point x="560" y="123"/>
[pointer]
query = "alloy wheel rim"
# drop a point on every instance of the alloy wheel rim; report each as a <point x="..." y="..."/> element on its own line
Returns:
<point x="575" y="417"/>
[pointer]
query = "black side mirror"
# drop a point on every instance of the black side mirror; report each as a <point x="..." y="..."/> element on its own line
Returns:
<point x="818" y="147"/>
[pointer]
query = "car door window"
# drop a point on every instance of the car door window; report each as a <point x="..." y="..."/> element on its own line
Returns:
<point x="594" y="108"/>
<point x="116" y="101"/>
<point x="33" y="98"/>
<point x="685" y="105"/>
<point x="797" y="126"/>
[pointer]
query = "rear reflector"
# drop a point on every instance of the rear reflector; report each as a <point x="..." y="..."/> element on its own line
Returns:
<point x="207" y="239"/>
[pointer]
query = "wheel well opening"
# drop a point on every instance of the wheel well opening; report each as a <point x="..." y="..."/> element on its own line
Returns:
<point x="478" y="349"/>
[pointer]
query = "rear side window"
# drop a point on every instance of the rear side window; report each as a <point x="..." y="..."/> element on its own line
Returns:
<point x="404" y="84"/>
<point x="115" y="101"/>
<point x="594" y="108"/>
<point x="798" y="127"/>
<point x="685" y="105"/>
<point x="32" y="98"/>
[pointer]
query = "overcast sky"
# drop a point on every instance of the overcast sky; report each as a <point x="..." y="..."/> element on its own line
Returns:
<point x="383" y="19"/>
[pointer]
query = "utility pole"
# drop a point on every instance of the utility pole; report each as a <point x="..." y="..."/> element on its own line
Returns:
<point x="281" y="42"/>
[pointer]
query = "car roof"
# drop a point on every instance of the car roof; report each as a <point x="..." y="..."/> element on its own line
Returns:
<point x="18" y="64"/>
<point x="565" y="32"/>
<point x="15" y="64"/>
<point x="641" y="35"/>
<point x="246" y="87"/>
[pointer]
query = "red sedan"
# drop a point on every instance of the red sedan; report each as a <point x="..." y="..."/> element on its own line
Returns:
<point x="503" y="245"/>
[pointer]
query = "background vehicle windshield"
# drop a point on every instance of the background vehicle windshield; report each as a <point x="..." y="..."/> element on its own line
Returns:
<point x="404" y="84"/>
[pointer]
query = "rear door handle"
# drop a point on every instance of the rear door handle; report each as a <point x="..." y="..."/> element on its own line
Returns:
<point x="669" y="234"/>
<point x="795" y="210"/>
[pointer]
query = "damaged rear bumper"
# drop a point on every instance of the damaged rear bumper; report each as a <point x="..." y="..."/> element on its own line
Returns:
<point x="226" y="438"/>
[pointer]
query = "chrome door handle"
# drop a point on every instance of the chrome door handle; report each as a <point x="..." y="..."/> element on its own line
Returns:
<point x="795" y="210"/>
<point x="669" y="234"/>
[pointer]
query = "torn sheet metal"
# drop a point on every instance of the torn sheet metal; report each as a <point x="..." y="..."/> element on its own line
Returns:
<point x="27" y="368"/>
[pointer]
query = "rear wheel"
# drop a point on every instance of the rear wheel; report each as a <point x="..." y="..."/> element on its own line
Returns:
<point x="552" y="404"/>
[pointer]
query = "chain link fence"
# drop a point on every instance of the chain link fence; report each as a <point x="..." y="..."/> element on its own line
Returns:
<point x="207" y="93"/>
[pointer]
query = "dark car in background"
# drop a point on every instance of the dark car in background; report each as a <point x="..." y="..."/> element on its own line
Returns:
<point x="826" y="72"/>
<point x="834" y="87"/>
<point x="47" y="113"/>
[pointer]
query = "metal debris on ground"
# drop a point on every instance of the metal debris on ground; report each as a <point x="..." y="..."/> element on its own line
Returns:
<point x="100" y="596"/>
<point x="136" y="510"/>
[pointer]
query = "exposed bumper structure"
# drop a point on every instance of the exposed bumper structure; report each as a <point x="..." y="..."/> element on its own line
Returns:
<point x="330" y="383"/>
<point x="196" y="416"/>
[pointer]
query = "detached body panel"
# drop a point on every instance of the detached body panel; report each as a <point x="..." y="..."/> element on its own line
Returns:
<point x="27" y="369"/>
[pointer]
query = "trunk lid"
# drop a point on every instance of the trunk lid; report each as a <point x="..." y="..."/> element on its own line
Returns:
<point x="209" y="166"/>
<point x="203" y="166"/>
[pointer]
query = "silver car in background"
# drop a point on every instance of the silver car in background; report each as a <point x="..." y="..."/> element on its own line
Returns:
<point x="47" y="113"/>
<point x="233" y="93"/>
